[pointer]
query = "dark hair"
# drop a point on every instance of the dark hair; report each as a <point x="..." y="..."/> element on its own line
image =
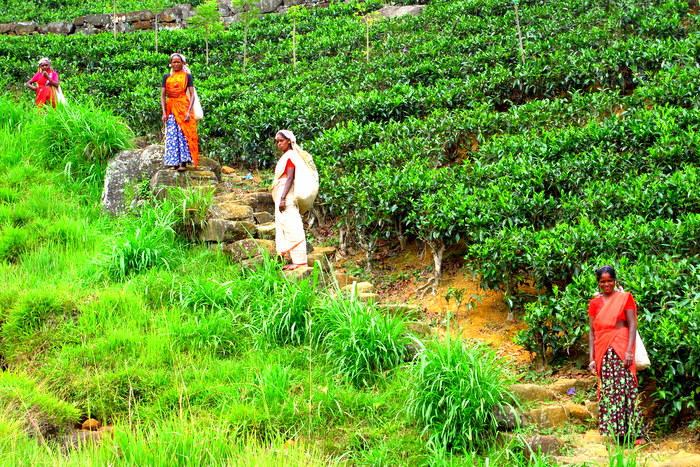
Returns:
<point x="606" y="269"/>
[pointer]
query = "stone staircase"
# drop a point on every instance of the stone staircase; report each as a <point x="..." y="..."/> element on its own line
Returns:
<point x="551" y="409"/>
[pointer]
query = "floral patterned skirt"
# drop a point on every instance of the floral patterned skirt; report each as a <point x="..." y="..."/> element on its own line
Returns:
<point x="620" y="416"/>
<point x="176" y="149"/>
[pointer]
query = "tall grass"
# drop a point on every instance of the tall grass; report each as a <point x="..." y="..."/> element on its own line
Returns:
<point x="454" y="390"/>
<point x="361" y="343"/>
<point x="144" y="242"/>
<point x="79" y="139"/>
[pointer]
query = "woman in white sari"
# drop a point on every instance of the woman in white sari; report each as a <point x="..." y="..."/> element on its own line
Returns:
<point x="290" y="238"/>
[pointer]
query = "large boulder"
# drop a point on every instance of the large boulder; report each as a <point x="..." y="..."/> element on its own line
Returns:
<point x="60" y="27"/>
<point x="6" y="28"/>
<point x="125" y="169"/>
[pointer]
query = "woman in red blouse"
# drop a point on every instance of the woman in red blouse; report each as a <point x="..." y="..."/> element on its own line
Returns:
<point x="613" y="328"/>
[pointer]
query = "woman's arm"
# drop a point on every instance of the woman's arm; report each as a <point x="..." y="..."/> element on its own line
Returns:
<point x="162" y="104"/>
<point x="632" y="320"/>
<point x="286" y="188"/>
<point x="591" y="352"/>
<point x="31" y="86"/>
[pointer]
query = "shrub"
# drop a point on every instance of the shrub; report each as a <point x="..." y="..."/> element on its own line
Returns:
<point x="454" y="389"/>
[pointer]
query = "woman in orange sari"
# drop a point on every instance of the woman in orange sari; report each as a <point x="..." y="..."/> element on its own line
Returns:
<point x="176" y="100"/>
<point x="613" y="328"/>
<point x="46" y="80"/>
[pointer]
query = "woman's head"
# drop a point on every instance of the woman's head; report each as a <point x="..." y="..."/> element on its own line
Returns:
<point x="607" y="279"/>
<point x="284" y="140"/>
<point x="44" y="64"/>
<point x="606" y="270"/>
<point x="178" y="62"/>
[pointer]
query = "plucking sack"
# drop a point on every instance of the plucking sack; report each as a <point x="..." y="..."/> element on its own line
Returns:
<point x="305" y="181"/>
<point x="641" y="358"/>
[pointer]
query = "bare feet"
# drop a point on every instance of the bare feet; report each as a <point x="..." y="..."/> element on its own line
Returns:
<point x="291" y="267"/>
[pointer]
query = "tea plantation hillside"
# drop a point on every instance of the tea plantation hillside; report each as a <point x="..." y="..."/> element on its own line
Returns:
<point x="537" y="166"/>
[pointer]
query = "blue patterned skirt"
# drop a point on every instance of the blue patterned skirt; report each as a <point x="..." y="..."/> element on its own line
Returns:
<point x="176" y="149"/>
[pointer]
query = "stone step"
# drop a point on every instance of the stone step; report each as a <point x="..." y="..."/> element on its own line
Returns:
<point x="223" y="231"/>
<point x="231" y="211"/>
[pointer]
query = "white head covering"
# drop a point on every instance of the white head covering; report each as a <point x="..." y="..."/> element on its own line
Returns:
<point x="45" y="59"/>
<point x="289" y="135"/>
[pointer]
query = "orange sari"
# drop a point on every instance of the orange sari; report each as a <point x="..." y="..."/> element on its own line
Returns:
<point x="607" y="336"/>
<point x="177" y="104"/>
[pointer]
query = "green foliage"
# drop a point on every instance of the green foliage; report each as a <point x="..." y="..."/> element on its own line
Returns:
<point x="361" y="343"/>
<point x="455" y="388"/>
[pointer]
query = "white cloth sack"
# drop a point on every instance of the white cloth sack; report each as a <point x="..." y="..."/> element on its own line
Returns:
<point x="197" y="111"/>
<point x="305" y="180"/>
<point x="641" y="358"/>
<point x="60" y="98"/>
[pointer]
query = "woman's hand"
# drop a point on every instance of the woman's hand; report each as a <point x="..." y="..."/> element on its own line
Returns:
<point x="187" y="116"/>
<point x="592" y="367"/>
<point x="164" y="117"/>
<point x="629" y="359"/>
<point x="45" y="74"/>
<point x="283" y="204"/>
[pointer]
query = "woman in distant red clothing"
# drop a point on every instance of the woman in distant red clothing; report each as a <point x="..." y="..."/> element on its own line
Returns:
<point x="613" y="329"/>
<point x="46" y="80"/>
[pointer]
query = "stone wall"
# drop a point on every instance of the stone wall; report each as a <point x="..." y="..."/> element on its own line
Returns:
<point x="171" y="18"/>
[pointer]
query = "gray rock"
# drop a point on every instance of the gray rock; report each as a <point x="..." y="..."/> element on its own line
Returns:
<point x="266" y="231"/>
<point x="142" y="25"/>
<point x="263" y="217"/>
<point x="390" y="11"/>
<point x="176" y="14"/>
<point x="259" y="201"/>
<point x="223" y="231"/>
<point x="532" y="392"/>
<point x="231" y="212"/>
<point x="98" y="21"/>
<point x="249" y="248"/>
<point x="141" y="15"/>
<point x="25" y="27"/>
<point x="507" y="417"/>
<point x="548" y="445"/>
<point x="554" y="416"/>
<point x="289" y="3"/>
<point x="60" y="27"/>
<point x="268" y="6"/>
<point x="165" y="179"/>
<point x="125" y="169"/>
<point x="6" y="28"/>
<point x="210" y="165"/>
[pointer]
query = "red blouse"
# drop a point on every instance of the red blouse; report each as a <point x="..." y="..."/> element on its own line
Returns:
<point x="596" y="304"/>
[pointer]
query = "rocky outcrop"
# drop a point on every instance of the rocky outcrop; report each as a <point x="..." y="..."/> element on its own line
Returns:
<point x="126" y="169"/>
<point x="170" y="18"/>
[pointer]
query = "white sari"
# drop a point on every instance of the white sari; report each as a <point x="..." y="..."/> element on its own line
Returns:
<point x="289" y="227"/>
